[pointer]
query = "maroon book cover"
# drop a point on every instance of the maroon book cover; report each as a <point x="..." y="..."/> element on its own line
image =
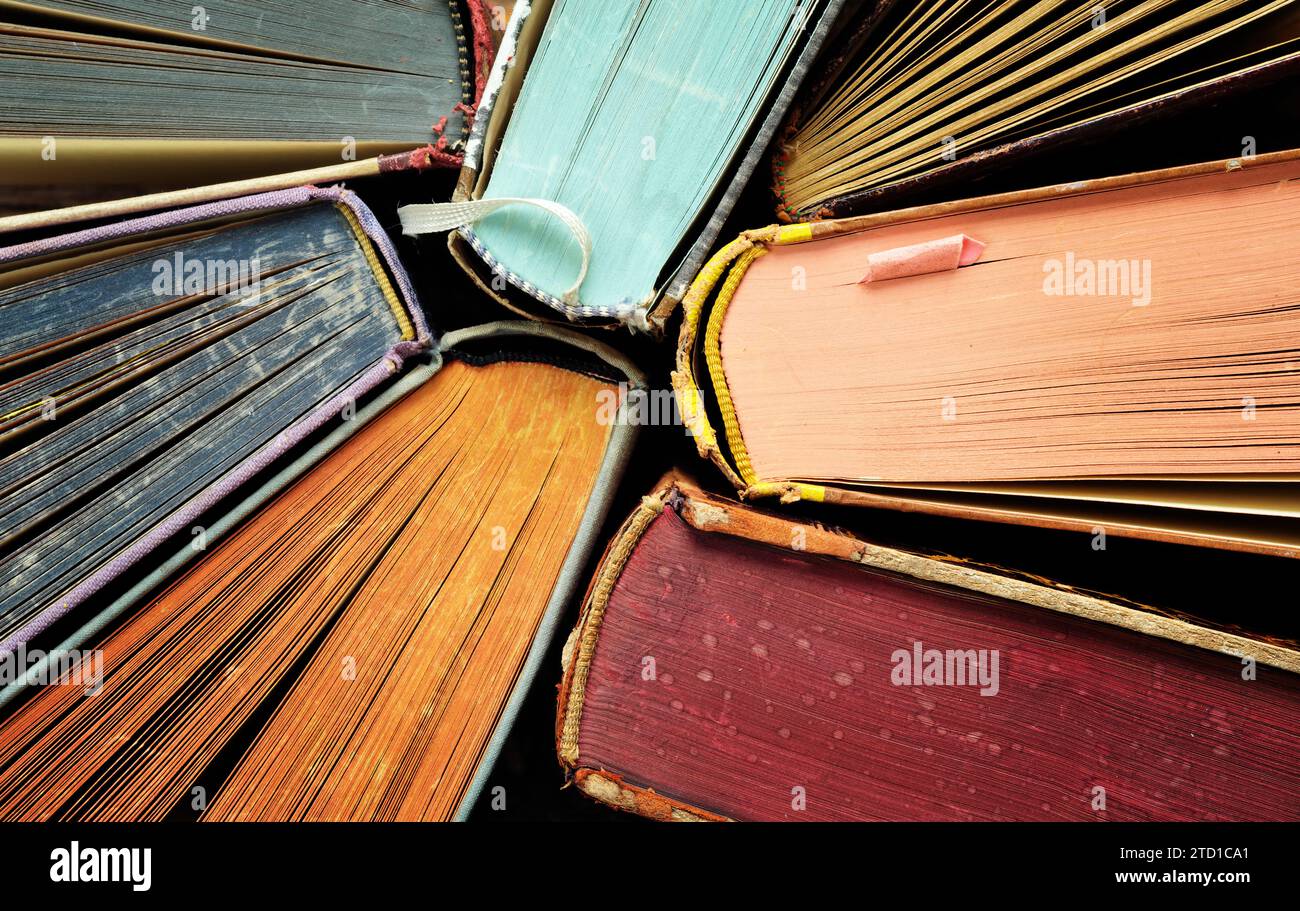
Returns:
<point x="735" y="665"/>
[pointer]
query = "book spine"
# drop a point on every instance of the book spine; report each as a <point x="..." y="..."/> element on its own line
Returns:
<point x="609" y="788"/>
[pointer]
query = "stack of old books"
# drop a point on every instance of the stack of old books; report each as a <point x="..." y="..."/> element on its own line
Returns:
<point x="296" y="511"/>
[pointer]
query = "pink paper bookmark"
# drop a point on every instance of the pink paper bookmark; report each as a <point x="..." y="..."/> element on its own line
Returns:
<point x="941" y="255"/>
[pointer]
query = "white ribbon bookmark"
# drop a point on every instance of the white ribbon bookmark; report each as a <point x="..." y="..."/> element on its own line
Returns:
<point x="430" y="218"/>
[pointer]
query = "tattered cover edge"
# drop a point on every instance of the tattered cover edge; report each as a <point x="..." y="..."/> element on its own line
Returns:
<point x="660" y="303"/>
<point x="480" y="52"/>
<point x="604" y="487"/>
<point x="489" y="115"/>
<point x="579" y="649"/>
<point x="698" y="302"/>
<point x="388" y="364"/>
<point x="1098" y="127"/>
<point x="706" y="512"/>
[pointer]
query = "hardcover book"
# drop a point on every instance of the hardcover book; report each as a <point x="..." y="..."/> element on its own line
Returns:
<point x="734" y="665"/>
<point x="642" y="121"/>
<point x="924" y="96"/>
<point x="140" y="95"/>
<point x="1111" y="356"/>
<point x="152" y="368"/>
<point x="358" y="647"/>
